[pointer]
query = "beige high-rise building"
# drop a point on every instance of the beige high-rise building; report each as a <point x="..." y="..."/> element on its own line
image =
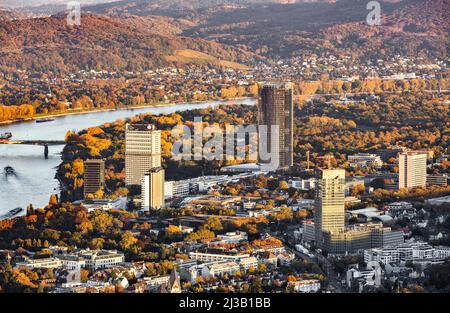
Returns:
<point x="153" y="189"/>
<point x="142" y="151"/>
<point x="412" y="168"/>
<point x="329" y="203"/>
<point x="276" y="107"/>
<point x="94" y="176"/>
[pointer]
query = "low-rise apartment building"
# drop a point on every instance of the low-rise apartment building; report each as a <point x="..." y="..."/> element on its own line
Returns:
<point x="40" y="263"/>
<point x="360" y="237"/>
<point x="213" y="257"/>
<point x="72" y="262"/>
<point x="437" y="180"/>
<point x="304" y="286"/>
<point x="365" y="160"/>
<point x="99" y="259"/>
<point x="230" y="238"/>
<point x="247" y="263"/>
<point x="220" y="269"/>
<point x="417" y="251"/>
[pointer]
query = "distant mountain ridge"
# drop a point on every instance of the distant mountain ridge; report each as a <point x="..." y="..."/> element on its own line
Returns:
<point x="183" y="7"/>
<point x="137" y="35"/>
<point x="147" y="6"/>
<point x="409" y="27"/>
<point x="274" y="28"/>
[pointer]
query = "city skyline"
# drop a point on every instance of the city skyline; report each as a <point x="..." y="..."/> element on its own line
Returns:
<point x="224" y="155"/>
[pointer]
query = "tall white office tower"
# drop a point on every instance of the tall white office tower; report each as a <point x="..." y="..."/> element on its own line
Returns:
<point x="412" y="169"/>
<point x="142" y="151"/>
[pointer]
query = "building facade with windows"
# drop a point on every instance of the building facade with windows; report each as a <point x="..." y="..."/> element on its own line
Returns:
<point x="330" y="203"/>
<point x="152" y="192"/>
<point x="40" y="263"/>
<point x="99" y="259"/>
<point x="437" y="180"/>
<point x="276" y="108"/>
<point x="365" y="160"/>
<point x="94" y="176"/>
<point x="304" y="286"/>
<point x="213" y="257"/>
<point x="142" y="151"/>
<point x="361" y="237"/>
<point x="412" y="167"/>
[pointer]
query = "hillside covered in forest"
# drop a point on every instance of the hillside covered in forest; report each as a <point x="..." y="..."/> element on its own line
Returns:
<point x="141" y="35"/>
<point x="104" y="43"/>
<point x="287" y="28"/>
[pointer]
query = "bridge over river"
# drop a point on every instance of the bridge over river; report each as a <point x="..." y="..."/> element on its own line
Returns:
<point x="33" y="142"/>
<point x="44" y="143"/>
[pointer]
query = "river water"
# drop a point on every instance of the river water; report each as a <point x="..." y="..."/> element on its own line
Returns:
<point x="35" y="176"/>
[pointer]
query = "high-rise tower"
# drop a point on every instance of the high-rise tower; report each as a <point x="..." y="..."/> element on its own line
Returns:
<point x="412" y="168"/>
<point x="276" y="108"/>
<point x="153" y="189"/>
<point x="94" y="176"/>
<point x="142" y="151"/>
<point x="329" y="202"/>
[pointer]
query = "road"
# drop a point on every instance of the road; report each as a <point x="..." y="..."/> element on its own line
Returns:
<point x="320" y="260"/>
<point x="326" y="265"/>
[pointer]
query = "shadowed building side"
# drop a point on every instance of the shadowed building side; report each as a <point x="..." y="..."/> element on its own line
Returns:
<point x="94" y="176"/>
<point x="276" y="107"/>
<point x="153" y="189"/>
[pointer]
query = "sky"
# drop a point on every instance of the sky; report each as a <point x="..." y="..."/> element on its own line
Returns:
<point x="28" y="3"/>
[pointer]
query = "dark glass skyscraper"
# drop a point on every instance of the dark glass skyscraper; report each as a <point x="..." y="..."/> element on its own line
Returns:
<point x="276" y="107"/>
<point x="94" y="176"/>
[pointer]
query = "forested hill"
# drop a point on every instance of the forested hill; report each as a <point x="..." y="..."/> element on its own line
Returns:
<point x="286" y="28"/>
<point x="103" y="43"/>
<point x="137" y="35"/>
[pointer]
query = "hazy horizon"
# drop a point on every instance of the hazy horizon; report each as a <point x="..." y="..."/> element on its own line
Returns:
<point x="35" y="3"/>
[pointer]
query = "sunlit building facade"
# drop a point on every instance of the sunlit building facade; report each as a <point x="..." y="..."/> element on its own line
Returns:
<point x="329" y="202"/>
<point x="153" y="189"/>
<point x="412" y="167"/>
<point x="142" y="151"/>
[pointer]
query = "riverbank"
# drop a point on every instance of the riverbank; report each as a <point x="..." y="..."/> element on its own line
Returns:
<point x="35" y="180"/>
<point x="117" y="108"/>
<point x="78" y="149"/>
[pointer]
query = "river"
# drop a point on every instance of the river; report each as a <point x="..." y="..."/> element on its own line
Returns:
<point x="35" y="176"/>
